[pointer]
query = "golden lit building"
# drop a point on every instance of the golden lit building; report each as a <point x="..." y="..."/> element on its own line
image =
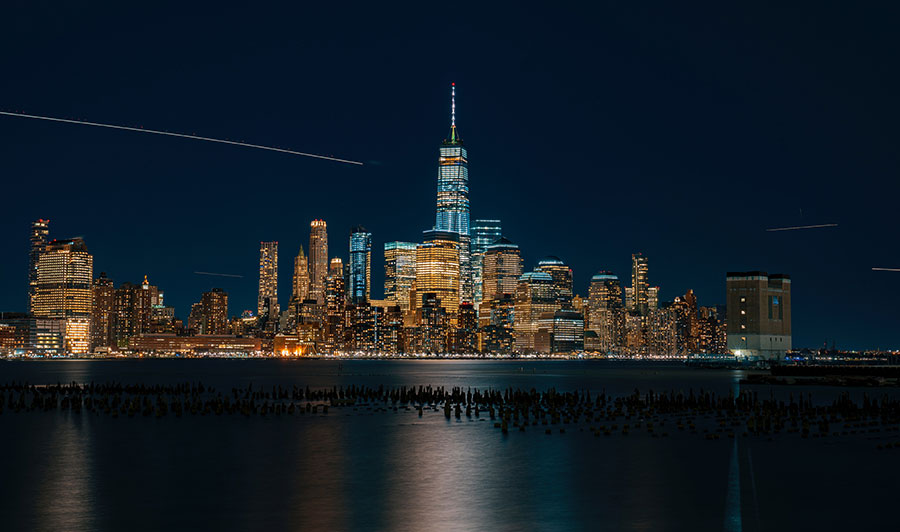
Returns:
<point x="318" y="259"/>
<point x="214" y="311"/>
<point x="399" y="272"/>
<point x="267" y="299"/>
<point x="301" y="277"/>
<point x="501" y="269"/>
<point x="536" y="300"/>
<point x="103" y="310"/>
<point x="65" y="272"/>
<point x="437" y="270"/>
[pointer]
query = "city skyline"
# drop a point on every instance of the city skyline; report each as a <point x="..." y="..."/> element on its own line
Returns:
<point x="551" y="143"/>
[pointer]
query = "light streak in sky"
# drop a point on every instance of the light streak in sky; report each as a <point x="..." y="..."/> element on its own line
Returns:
<point x="220" y="274"/>
<point x="182" y="135"/>
<point x="801" y="227"/>
<point x="886" y="269"/>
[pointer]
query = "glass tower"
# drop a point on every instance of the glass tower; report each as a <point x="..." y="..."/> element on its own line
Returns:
<point x="360" y="265"/>
<point x="267" y="298"/>
<point x="399" y="272"/>
<point x="453" y="198"/>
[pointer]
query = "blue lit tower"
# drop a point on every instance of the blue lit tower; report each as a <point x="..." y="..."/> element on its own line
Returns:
<point x="360" y="265"/>
<point x="453" y="197"/>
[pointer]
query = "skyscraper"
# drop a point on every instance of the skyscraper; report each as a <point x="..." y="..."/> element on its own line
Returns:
<point x="536" y="300"/>
<point x="640" y="285"/>
<point x="484" y="233"/>
<point x="758" y="314"/>
<point x="605" y="316"/>
<point x="437" y="270"/>
<point x="453" y="198"/>
<point x="502" y="268"/>
<point x="318" y="260"/>
<point x="214" y="312"/>
<point x="301" y="278"/>
<point x="103" y="312"/>
<point x="562" y="278"/>
<point x="65" y="272"/>
<point x="399" y="272"/>
<point x="360" y="265"/>
<point x="267" y="300"/>
<point x="40" y="230"/>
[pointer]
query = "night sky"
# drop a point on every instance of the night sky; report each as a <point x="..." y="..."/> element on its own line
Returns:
<point x="678" y="130"/>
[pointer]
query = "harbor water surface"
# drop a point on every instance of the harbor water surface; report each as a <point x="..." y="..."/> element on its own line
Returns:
<point x="357" y="469"/>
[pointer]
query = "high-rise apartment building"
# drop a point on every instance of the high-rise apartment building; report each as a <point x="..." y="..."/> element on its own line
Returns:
<point x="359" y="287"/>
<point x="640" y="285"/>
<point x="758" y="314"/>
<point x="214" y="312"/>
<point x="267" y="299"/>
<point x="437" y="270"/>
<point x="453" y="199"/>
<point x="40" y="231"/>
<point x="103" y="313"/>
<point x="605" y="312"/>
<point x="65" y="272"/>
<point x="399" y="272"/>
<point x="318" y="259"/>
<point x="300" y="290"/>
<point x="562" y="278"/>
<point x="502" y="267"/>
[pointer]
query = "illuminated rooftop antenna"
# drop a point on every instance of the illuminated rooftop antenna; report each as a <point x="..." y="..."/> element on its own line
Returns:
<point x="453" y="105"/>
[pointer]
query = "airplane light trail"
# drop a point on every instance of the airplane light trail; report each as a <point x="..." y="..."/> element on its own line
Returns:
<point x="182" y="135"/>
<point x="886" y="269"/>
<point x="801" y="227"/>
<point x="220" y="274"/>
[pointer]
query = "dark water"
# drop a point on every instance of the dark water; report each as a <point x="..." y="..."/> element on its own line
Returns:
<point x="395" y="471"/>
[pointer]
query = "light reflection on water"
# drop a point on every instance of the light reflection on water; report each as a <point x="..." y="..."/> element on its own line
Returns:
<point x="352" y="470"/>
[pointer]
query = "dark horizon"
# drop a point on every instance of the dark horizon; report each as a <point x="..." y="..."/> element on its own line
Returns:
<point x="680" y="132"/>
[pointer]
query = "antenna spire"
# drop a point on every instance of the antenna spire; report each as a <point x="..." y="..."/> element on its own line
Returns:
<point x="453" y="105"/>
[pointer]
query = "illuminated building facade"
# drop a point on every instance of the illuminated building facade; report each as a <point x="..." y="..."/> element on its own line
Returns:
<point x="562" y="279"/>
<point x="605" y="312"/>
<point x="484" y="233"/>
<point x="399" y="272"/>
<point x="318" y="259"/>
<point x="453" y="200"/>
<point x="267" y="299"/>
<point x="65" y="272"/>
<point x="214" y="312"/>
<point x="568" y="332"/>
<point x="301" y="277"/>
<point x="437" y="270"/>
<point x="40" y="232"/>
<point x="360" y="282"/>
<point x="536" y="299"/>
<point x="502" y="267"/>
<point x="640" y="285"/>
<point x="759" y="314"/>
<point x="103" y="313"/>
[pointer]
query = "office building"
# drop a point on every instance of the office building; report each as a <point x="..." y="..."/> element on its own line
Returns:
<point x="318" y="259"/>
<point x="536" y="300"/>
<point x="40" y="232"/>
<point x="437" y="271"/>
<point x="484" y="233"/>
<point x="65" y="272"/>
<point x="358" y="289"/>
<point x="399" y="272"/>
<point x="605" y="312"/>
<point x="502" y="267"/>
<point x="453" y="200"/>
<point x="640" y="285"/>
<point x="301" y="277"/>
<point x="562" y="279"/>
<point x="103" y="313"/>
<point x="267" y="299"/>
<point x="759" y="314"/>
